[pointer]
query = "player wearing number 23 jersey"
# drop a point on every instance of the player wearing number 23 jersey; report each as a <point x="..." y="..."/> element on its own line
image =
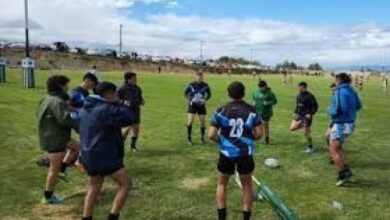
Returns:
<point x="236" y="121"/>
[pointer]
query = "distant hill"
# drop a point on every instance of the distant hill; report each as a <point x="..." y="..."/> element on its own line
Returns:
<point x="48" y="60"/>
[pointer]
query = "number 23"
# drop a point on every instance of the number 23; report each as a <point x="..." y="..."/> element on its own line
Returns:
<point x="237" y="127"/>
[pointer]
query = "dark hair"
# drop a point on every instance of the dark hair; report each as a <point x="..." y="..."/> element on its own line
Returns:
<point x="304" y="84"/>
<point x="333" y="85"/>
<point x="56" y="82"/>
<point x="105" y="87"/>
<point x="344" y="78"/>
<point x="236" y="90"/>
<point x="91" y="77"/>
<point x="262" y="83"/>
<point x="93" y="67"/>
<point x="199" y="73"/>
<point x="129" y="75"/>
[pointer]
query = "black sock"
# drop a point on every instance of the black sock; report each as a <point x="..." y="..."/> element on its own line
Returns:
<point x="48" y="194"/>
<point x="63" y="167"/>
<point x="189" y="132"/>
<point x="87" y="218"/>
<point x="267" y="140"/>
<point x="310" y="142"/>
<point x="133" y="142"/>
<point x="222" y="214"/>
<point x="113" y="216"/>
<point x="328" y="142"/>
<point x="246" y="215"/>
<point x="202" y="132"/>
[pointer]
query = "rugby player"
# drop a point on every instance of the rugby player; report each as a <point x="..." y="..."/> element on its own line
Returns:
<point x="132" y="93"/>
<point x="80" y="93"/>
<point x="264" y="100"/>
<point x="343" y="110"/>
<point x="235" y="127"/>
<point x="306" y="107"/>
<point x="197" y="93"/>
<point x="55" y="125"/>
<point x="102" y="147"/>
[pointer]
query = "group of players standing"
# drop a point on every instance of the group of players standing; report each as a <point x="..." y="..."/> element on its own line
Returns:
<point x="104" y="119"/>
<point x="237" y="125"/>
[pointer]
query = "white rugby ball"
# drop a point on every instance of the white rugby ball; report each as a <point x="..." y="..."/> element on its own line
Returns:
<point x="271" y="163"/>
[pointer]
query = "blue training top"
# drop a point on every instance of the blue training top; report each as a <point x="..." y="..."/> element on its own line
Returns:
<point x="345" y="104"/>
<point x="236" y="121"/>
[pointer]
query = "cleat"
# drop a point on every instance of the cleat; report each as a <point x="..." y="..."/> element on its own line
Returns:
<point x="189" y="142"/>
<point x="309" y="150"/>
<point x="134" y="150"/>
<point x="54" y="200"/>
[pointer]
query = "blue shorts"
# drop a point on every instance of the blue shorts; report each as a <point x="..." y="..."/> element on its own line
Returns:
<point x="341" y="131"/>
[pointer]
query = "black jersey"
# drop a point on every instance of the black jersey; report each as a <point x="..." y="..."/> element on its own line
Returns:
<point x="131" y="93"/>
<point x="306" y="104"/>
<point x="197" y="93"/>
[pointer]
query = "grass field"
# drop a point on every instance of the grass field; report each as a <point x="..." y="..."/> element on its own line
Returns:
<point x="174" y="181"/>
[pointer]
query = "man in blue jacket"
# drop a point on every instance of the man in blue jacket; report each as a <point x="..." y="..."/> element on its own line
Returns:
<point x="343" y="111"/>
<point x="102" y="147"/>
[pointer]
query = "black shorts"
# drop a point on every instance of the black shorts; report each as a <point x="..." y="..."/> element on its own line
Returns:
<point x="197" y="109"/>
<point x="136" y="115"/>
<point x="244" y="165"/>
<point x="305" y="122"/>
<point x="105" y="172"/>
<point x="59" y="150"/>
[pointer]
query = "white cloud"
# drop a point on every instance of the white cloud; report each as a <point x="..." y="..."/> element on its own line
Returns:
<point x="96" y="23"/>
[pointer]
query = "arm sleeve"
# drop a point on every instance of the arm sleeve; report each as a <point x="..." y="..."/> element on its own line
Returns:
<point x="274" y="100"/>
<point x="141" y="97"/>
<point x="296" y="106"/>
<point x="314" y="105"/>
<point x="62" y="115"/>
<point x="119" y="93"/>
<point x="119" y="116"/>
<point x="215" y="120"/>
<point x="187" y="91"/>
<point x="208" y="92"/>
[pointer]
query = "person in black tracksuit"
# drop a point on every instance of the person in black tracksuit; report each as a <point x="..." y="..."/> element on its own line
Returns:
<point x="197" y="93"/>
<point x="132" y="93"/>
<point x="306" y="107"/>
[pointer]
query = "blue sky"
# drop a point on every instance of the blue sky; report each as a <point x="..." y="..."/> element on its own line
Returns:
<point x="333" y="32"/>
<point x="302" y="11"/>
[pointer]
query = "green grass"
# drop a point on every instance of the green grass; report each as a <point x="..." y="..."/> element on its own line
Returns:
<point x="173" y="181"/>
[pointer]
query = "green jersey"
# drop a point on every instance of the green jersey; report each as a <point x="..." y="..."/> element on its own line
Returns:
<point x="264" y="102"/>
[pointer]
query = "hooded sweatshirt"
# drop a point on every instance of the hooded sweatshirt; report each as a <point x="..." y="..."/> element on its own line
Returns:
<point x="102" y="146"/>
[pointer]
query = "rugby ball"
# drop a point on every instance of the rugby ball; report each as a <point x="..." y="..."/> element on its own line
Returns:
<point x="271" y="163"/>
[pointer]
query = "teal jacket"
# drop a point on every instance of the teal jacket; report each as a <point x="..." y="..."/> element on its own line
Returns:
<point x="264" y="102"/>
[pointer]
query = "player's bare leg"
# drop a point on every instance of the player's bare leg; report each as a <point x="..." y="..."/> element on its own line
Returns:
<point x="123" y="179"/>
<point x="51" y="178"/>
<point x="94" y="186"/>
<point x="327" y="136"/>
<point x="73" y="148"/>
<point x="266" y="131"/>
<point x="309" y="139"/>
<point x="202" y="120"/>
<point x="295" y="125"/>
<point x="190" y="121"/>
<point x="221" y="195"/>
<point x="247" y="195"/>
<point x="125" y="132"/>
<point x="135" y="132"/>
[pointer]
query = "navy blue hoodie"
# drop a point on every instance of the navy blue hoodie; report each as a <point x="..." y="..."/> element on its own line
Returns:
<point x="102" y="147"/>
